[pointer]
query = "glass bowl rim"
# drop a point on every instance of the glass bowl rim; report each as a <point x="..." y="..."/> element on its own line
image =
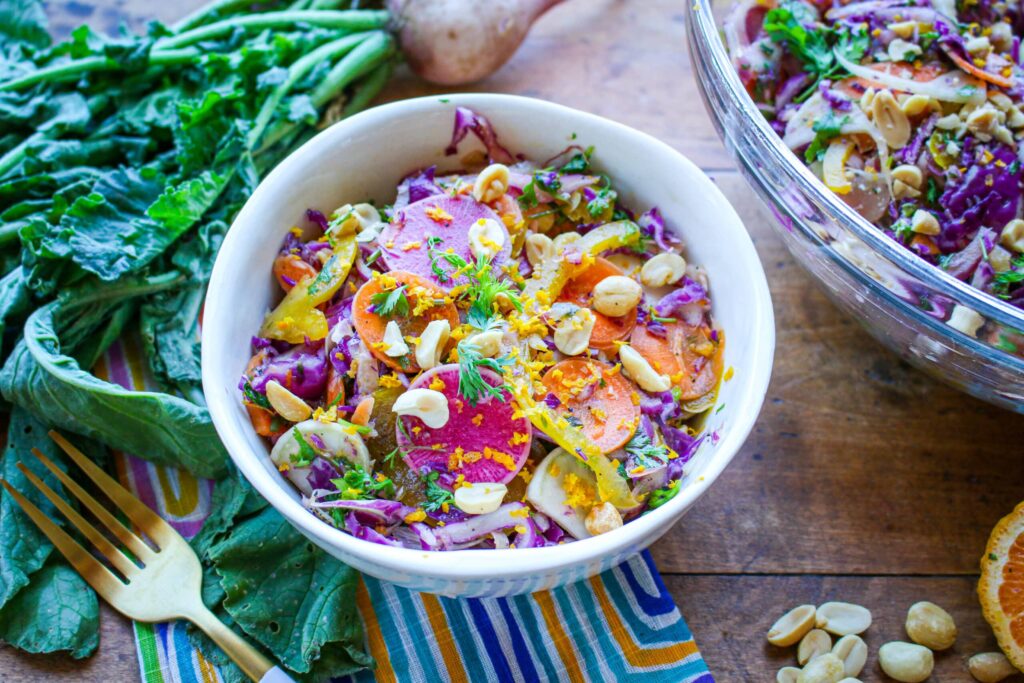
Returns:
<point x="703" y="25"/>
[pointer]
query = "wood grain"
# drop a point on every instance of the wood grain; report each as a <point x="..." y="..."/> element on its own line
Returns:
<point x="863" y="479"/>
<point x="730" y="616"/>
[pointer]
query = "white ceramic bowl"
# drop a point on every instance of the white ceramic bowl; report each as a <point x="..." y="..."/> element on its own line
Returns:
<point x="364" y="157"/>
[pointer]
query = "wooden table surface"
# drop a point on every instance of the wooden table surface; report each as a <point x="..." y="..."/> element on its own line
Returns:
<point x="863" y="481"/>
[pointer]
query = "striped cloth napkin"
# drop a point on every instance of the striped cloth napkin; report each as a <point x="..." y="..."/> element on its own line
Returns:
<point x="619" y="626"/>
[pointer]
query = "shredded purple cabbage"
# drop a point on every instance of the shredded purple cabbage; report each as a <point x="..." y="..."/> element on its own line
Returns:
<point x="467" y="120"/>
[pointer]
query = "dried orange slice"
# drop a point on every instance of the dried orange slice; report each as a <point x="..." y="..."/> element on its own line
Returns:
<point x="1001" y="588"/>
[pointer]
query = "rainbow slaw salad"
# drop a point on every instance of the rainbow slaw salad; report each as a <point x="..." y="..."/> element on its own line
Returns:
<point x="505" y="357"/>
<point x="911" y="112"/>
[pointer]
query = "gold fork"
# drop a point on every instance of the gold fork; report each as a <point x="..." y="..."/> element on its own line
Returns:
<point x="159" y="584"/>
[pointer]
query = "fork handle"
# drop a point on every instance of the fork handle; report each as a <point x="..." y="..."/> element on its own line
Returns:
<point x="250" y="660"/>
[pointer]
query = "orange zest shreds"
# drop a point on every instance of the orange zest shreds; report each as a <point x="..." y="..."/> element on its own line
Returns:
<point x="390" y="381"/>
<point x="321" y="415"/>
<point x="520" y="512"/>
<point x="439" y="215"/>
<point x="283" y="467"/>
<point x="598" y="414"/>
<point x="414" y="517"/>
<point x="526" y="475"/>
<point x="437" y="446"/>
<point x="635" y="397"/>
<point x="578" y="493"/>
<point x="729" y="372"/>
<point x="518" y="438"/>
<point x="554" y="470"/>
<point x="409" y="246"/>
<point x="417" y="429"/>
<point x="437" y="384"/>
<point x="296" y="231"/>
<point x="477" y="419"/>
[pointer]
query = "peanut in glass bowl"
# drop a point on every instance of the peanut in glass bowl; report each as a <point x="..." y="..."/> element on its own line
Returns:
<point x="901" y="300"/>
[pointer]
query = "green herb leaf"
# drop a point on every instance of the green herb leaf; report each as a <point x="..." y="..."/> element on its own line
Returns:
<point x="826" y="129"/>
<point x="307" y="454"/>
<point x="437" y="495"/>
<point x="472" y="385"/>
<point x="393" y="303"/>
<point x="646" y="452"/>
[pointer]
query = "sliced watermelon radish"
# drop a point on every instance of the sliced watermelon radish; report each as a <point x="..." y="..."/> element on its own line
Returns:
<point x="405" y="241"/>
<point x="484" y="443"/>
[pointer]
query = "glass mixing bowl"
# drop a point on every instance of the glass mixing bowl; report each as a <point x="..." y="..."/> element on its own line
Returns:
<point x="903" y="301"/>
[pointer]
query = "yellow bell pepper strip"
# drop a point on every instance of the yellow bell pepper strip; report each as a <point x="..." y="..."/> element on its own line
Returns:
<point x="547" y="283"/>
<point x="297" y="316"/>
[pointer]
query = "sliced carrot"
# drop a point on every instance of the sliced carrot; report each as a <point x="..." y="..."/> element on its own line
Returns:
<point x="371" y="326"/>
<point x="926" y="242"/>
<point x="361" y="415"/>
<point x="974" y="70"/>
<point x="290" y="270"/>
<point x="263" y="421"/>
<point x="335" y="386"/>
<point x="598" y="397"/>
<point x="580" y="291"/>
<point x="675" y="355"/>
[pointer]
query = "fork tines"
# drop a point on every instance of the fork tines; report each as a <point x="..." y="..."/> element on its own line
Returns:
<point x="98" y="575"/>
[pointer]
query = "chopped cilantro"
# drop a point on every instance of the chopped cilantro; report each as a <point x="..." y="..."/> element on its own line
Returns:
<point x="605" y="200"/>
<point x="254" y="397"/>
<point x="306" y="453"/>
<point x="825" y="129"/>
<point x="1004" y="281"/>
<point x="931" y="192"/>
<point x="358" y="484"/>
<point x="394" y="302"/>
<point x="579" y="163"/>
<point x="663" y="495"/>
<point x="372" y="257"/>
<point x="646" y="452"/>
<point x="437" y="495"/>
<point x="324" y="277"/>
<point x="794" y="26"/>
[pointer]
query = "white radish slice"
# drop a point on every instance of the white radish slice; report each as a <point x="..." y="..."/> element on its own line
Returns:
<point x="547" y="494"/>
<point x="339" y="445"/>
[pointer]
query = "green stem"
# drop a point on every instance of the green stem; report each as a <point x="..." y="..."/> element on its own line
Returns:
<point x="353" y="66"/>
<point x="369" y="88"/>
<point x="352" y="20"/>
<point x="296" y="72"/>
<point x="14" y="156"/>
<point x="8" y="233"/>
<point x="215" y="9"/>
<point x="80" y="67"/>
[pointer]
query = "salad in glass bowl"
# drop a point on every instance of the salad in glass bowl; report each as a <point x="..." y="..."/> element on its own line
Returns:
<point x="911" y="112"/>
<point x="505" y="357"/>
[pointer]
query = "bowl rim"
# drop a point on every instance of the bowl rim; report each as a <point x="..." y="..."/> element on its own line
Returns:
<point x="701" y="22"/>
<point x="482" y="564"/>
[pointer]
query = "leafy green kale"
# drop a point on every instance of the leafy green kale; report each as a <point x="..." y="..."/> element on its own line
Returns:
<point x="437" y="495"/>
<point x="393" y="303"/>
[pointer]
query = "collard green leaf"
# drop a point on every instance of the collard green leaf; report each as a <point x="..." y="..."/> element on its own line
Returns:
<point x="23" y="21"/>
<point x="159" y="427"/>
<point x="291" y="597"/>
<point x="23" y="548"/>
<point x="107" y="231"/>
<point x="57" y="611"/>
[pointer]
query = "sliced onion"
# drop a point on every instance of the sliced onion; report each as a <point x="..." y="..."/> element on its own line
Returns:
<point x="953" y="86"/>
